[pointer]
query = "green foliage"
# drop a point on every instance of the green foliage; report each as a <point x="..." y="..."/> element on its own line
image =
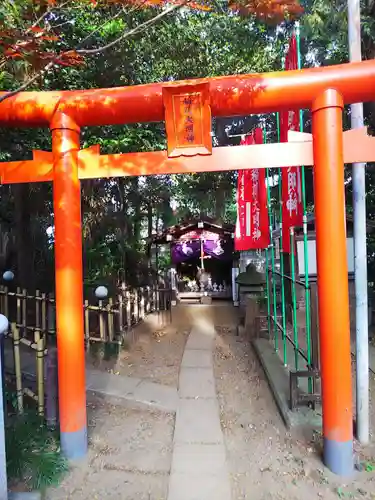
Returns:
<point x="195" y="44"/>
<point x="33" y="452"/>
<point x="119" y="214"/>
<point x="164" y="260"/>
<point x="325" y="41"/>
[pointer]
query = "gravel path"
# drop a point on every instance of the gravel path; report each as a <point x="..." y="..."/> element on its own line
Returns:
<point x="154" y="355"/>
<point x="265" y="460"/>
<point x="131" y="450"/>
<point x="129" y="456"/>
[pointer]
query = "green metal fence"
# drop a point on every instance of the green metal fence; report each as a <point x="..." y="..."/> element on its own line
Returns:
<point x="292" y="321"/>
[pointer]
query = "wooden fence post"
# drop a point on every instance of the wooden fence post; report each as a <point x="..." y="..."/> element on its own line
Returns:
<point x="111" y="333"/>
<point x="154" y="299"/>
<point x="37" y="309"/>
<point x="51" y="388"/>
<point x="87" y="324"/>
<point x="19" y="308"/>
<point x="102" y="329"/>
<point x="157" y="298"/>
<point x="6" y="306"/>
<point x="148" y="302"/>
<point x="136" y="306"/>
<point x="128" y="311"/>
<point x="44" y="314"/>
<point x="24" y="312"/>
<point x="142" y="290"/>
<point x="51" y="314"/>
<point x="121" y="314"/>
<point x="5" y="301"/>
<point x="17" y="367"/>
<point x="39" y="355"/>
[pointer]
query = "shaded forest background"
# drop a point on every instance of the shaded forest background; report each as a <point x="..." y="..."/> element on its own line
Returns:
<point x="120" y="214"/>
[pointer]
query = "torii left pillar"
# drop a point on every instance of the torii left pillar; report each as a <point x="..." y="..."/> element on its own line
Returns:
<point x="69" y="286"/>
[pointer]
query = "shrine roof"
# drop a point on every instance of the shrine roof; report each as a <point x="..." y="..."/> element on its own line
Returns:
<point x="173" y="233"/>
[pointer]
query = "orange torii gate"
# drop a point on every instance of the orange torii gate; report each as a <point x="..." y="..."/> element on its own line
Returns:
<point x="187" y="108"/>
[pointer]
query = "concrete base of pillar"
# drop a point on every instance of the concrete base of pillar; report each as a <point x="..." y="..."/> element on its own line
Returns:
<point x="24" y="496"/>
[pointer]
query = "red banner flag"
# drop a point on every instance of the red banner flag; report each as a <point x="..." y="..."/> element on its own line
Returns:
<point x="292" y="208"/>
<point x="252" y="228"/>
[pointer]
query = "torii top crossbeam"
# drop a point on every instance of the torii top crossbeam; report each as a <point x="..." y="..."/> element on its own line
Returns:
<point x="229" y="96"/>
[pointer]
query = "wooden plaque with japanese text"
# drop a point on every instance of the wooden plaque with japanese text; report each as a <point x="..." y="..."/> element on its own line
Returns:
<point x="188" y="120"/>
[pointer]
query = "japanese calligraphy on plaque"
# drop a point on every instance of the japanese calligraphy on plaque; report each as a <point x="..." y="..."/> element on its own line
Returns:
<point x="188" y="120"/>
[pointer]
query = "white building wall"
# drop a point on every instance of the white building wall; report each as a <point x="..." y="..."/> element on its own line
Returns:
<point x="311" y="252"/>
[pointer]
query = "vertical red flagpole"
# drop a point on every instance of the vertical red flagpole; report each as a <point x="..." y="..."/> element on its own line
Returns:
<point x="292" y="206"/>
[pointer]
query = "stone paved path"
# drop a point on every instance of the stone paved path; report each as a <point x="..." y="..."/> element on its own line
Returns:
<point x="138" y="392"/>
<point x="135" y="391"/>
<point x="199" y="467"/>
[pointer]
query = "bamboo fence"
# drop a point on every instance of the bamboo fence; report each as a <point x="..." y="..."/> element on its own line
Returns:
<point x="29" y="348"/>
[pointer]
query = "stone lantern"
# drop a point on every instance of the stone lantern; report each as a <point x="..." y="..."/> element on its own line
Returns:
<point x="251" y="284"/>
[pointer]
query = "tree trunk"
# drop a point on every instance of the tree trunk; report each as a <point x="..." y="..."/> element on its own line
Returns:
<point x="25" y="276"/>
<point x="167" y="212"/>
<point x="149" y="233"/>
<point x="149" y="220"/>
<point x="219" y="204"/>
<point x="137" y="221"/>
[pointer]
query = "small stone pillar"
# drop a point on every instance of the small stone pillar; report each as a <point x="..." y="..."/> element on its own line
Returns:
<point x="235" y="297"/>
<point x="172" y="278"/>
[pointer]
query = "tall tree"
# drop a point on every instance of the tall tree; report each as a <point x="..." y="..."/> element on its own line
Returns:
<point x="188" y="43"/>
<point x="32" y="28"/>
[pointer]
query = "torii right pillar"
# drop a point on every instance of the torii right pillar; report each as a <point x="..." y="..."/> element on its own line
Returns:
<point x="333" y="296"/>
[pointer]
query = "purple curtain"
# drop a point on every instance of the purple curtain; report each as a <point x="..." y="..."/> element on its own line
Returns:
<point x="186" y="250"/>
<point x="219" y="249"/>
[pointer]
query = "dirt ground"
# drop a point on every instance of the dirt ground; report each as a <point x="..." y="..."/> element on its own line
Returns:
<point x="154" y="352"/>
<point x="265" y="460"/>
<point x="129" y="456"/>
<point x="155" y="347"/>
<point x="130" y="450"/>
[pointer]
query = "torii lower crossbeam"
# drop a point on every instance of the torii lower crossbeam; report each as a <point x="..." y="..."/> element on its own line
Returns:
<point x="358" y="147"/>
